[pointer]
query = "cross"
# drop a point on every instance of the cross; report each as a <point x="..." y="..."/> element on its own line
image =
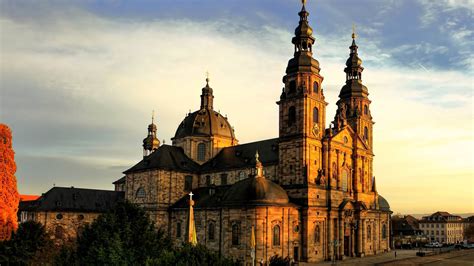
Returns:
<point x="207" y="76"/>
<point x="152" y="116"/>
<point x="354" y="35"/>
<point x="191" y="195"/>
<point x="303" y="2"/>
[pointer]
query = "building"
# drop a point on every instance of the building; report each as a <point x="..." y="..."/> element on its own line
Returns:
<point x="468" y="229"/>
<point x="310" y="194"/>
<point x="65" y="211"/>
<point x="443" y="227"/>
<point x="406" y="232"/>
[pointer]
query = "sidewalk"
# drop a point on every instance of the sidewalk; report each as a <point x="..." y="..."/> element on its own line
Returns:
<point x="372" y="260"/>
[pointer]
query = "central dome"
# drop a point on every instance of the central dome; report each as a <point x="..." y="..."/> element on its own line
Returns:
<point x="255" y="191"/>
<point x="205" y="122"/>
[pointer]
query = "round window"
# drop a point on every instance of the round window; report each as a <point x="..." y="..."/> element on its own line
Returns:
<point x="296" y="229"/>
<point x="80" y="217"/>
<point x="59" y="216"/>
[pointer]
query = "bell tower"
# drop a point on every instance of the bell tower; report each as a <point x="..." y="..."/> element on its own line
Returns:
<point x="151" y="142"/>
<point x="302" y="111"/>
<point x="354" y="104"/>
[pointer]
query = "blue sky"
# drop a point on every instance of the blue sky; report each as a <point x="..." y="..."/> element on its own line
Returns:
<point x="78" y="81"/>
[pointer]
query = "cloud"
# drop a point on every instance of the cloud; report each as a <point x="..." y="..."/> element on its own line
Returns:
<point x="78" y="89"/>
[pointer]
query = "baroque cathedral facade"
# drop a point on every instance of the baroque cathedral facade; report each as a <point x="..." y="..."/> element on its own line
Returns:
<point x="309" y="194"/>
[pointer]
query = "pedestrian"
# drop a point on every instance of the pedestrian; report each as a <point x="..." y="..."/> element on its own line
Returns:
<point x="395" y="253"/>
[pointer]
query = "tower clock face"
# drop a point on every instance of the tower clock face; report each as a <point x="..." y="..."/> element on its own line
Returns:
<point x="315" y="129"/>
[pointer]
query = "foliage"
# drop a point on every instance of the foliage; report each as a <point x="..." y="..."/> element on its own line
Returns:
<point x="123" y="236"/>
<point x="469" y="233"/>
<point x="279" y="261"/>
<point x="188" y="255"/>
<point x="9" y="197"/>
<point x="29" y="242"/>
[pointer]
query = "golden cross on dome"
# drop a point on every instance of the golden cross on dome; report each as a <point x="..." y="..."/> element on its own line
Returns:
<point x="354" y="35"/>
<point x="207" y="76"/>
<point x="152" y="116"/>
<point x="303" y="2"/>
<point x="191" y="195"/>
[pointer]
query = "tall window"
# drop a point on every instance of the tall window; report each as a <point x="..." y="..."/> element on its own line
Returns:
<point x="366" y="110"/>
<point x="211" y="231"/>
<point x="201" y="152"/>
<point x="178" y="229"/>
<point x="315" y="115"/>
<point x="292" y="86"/>
<point x="315" y="87"/>
<point x="59" y="232"/>
<point x="345" y="177"/>
<point x="291" y="116"/>
<point x="188" y="183"/>
<point x="369" y="232"/>
<point x="317" y="234"/>
<point x="208" y="180"/>
<point x="235" y="234"/>
<point x="140" y="193"/>
<point x="223" y="179"/>
<point x="334" y="170"/>
<point x="276" y="235"/>
<point x="366" y="133"/>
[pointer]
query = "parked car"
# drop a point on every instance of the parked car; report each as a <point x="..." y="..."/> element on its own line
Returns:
<point x="433" y="245"/>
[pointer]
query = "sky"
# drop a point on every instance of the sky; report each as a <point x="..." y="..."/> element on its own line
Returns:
<point x="79" y="80"/>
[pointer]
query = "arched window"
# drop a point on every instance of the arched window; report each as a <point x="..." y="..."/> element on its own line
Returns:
<point x="345" y="177"/>
<point x="369" y="232"/>
<point x="201" y="152"/>
<point x="188" y="183"/>
<point x="211" y="231"/>
<point x="140" y="193"/>
<point x="317" y="234"/>
<point x="291" y="115"/>
<point x="178" y="229"/>
<point x="366" y="133"/>
<point x="276" y="235"/>
<point x="334" y="170"/>
<point x="235" y="234"/>
<point x="315" y="87"/>
<point x="366" y="110"/>
<point x="292" y="86"/>
<point x="384" y="231"/>
<point x="59" y="232"/>
<point x="315" y="115"/>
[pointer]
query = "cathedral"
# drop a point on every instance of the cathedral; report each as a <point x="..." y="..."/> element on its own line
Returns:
<point x="309" y="194"/>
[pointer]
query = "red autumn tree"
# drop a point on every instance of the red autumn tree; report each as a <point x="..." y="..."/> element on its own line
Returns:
<point x="9" y="197"/>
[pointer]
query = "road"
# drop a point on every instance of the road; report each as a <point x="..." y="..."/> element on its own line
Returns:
<point x="464" y="259"/>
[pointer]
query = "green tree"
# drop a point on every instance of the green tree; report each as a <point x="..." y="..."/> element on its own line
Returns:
<point x="123" y="236"/>
<point x="30" y="242"/>
<point x="188" y="255"/>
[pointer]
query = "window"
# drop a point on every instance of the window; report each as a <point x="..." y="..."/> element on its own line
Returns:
<point x="291" y="116"/>
<point x="334" y="170"/>
<point x="208" y="180"/>
<point x="317" y="234"/>
<point x="178" y="229"/>
<point x="223" y="179"/>
<point x="315" y="115"/>
<point x="276" y="235"/>
<point x="366" y="110"/>
<point x="369" y="232"/>
<point x="241" y="175"/>
<point x="384" y="231"/>
<point x="59" y="216"/>
<point x="140" y="193"/>
<point x="292" y="86"/>
<point x="201" y="152"/>
<point x="345" y="182"/>
<point x="315" y="87"/>
<point x="366" y="133"/>
<point x="235" y="234"/>
<point x="59" y="232"/>
<point x="188" y="183"/>
<point x="80" y="217"/>
<point x="211" y="231"/>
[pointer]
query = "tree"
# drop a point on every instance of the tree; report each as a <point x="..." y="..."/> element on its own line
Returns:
<point x="29" y="242"/>
<point x="279" y="261"/>
<point x="9" y="197"/>
<point x="123" y="236"/>
<point x="188" y="255"/>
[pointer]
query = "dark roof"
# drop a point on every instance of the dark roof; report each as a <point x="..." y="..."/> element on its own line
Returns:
<point x="407" y="225"/>
<point x="255" y="191"/>
<point x="204" y="197"/>
<point x="242" y="156"/>
<point x="383" y="204"/>
<point x="74" y="199"/>
<point x="120" y="181"/>
<point x="204" y="122"/>
<point x="166" y="157"/>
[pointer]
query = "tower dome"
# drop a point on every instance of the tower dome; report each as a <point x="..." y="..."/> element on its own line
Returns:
<point x="204" y="132"/>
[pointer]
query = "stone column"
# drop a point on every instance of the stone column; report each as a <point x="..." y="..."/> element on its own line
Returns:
<point x="341" y="237"/>
<point x="359" y="237"/>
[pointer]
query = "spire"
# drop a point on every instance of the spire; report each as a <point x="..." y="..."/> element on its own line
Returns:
<point x="303" y="39"/>
<point x="192" y="238"/>
<point x="354" y="63"/>
<point x="151" y="142"/>
<point x="206" y="97"/>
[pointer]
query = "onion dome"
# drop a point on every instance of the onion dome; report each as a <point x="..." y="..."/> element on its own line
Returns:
<point x="151" y="142"/>
<point x="205" y="122"/>
<point x="255" y="191"/>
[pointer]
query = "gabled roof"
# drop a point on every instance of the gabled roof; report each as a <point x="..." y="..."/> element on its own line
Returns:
<point x="166" y="157"/>
<point x="120" y="181"/>
<point x="242" y="156"/>
<point x="74" y="199"/>
<point x="407" y="225"/>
